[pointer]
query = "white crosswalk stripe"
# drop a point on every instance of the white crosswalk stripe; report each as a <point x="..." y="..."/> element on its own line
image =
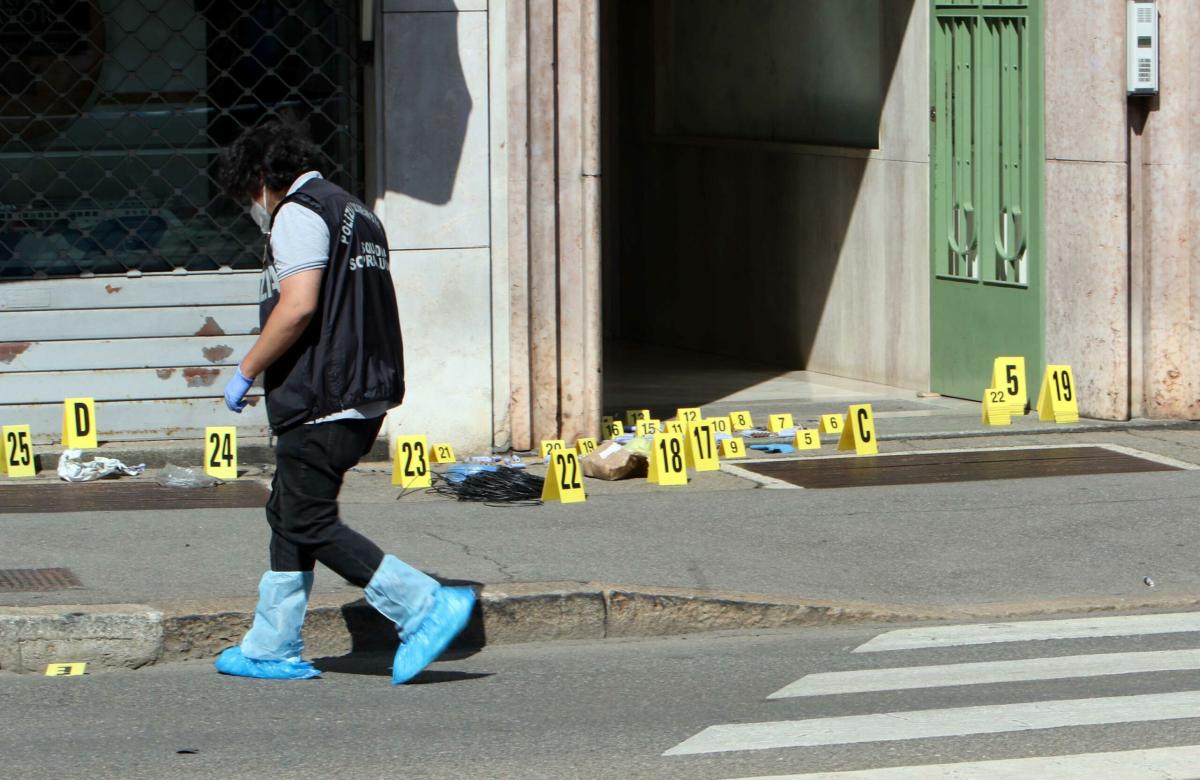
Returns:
<point x="990" y="672"/>
<point x="981" y="719"/>
<point x="1180" y="763"/>
<point x="952" y="722"/>
<point x="1031" y="630"/>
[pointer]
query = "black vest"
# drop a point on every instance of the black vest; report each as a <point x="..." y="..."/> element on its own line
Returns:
<point x="351" y="352"/>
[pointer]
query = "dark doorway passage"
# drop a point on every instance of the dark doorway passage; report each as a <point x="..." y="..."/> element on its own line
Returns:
<point x="739" y="136"/>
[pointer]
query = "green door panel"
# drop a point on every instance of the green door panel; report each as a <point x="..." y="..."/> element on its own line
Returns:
<point x="986" y="216"/>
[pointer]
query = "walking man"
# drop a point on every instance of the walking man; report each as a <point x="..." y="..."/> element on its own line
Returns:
<point x="331" y="359"/>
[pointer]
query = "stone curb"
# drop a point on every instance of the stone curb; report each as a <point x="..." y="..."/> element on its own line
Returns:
<point x="129" y="636"/>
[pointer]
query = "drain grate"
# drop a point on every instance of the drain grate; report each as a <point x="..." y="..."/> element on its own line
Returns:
<point x="33" y="498"/>
<point x="27" y="580"/>
<point x="937" y="467"/>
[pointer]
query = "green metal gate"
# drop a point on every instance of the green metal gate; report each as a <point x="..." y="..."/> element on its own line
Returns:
<point x="987" y="161"/>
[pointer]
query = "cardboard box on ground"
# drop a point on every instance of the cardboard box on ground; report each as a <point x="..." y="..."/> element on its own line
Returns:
<point x="611" y="462"/>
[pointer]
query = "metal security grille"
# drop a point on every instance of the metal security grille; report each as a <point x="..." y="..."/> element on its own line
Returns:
<point x="112" y="113"/>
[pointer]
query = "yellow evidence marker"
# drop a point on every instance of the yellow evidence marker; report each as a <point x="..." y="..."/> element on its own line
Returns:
<point x="564" y="479"/>
<point x="1057" y="400"/>
<point x="995" y="407"/>
<point x="79" y="424"/>
<point x="16" y="449"/>
<point x="859" y="433"/>
<point x="585" y="445"/>
<point x="688" y="414"/>
<point x="733" y="448"/>
<point x="410" y="466"/>
<point x="648" y="427"/>
<point x="832" y="423"/>
<point x="702" y="447"/>
<point x="220" y="452"/>
<point x="741" y="421"/>
<point x="65" y="670"/>
<point x="606" y="419"/>
<point x="550" y="445"/>
<point x="613" y="429"/>
<point x="807" y="440"/>
<point x="442" y="453"/>
<point x="633" y="415"/>
<point x="1008" y="375"/>
<point x="720" y="424"/>
<point x="674" y="426"/>
<point x="667" y="463"/>
<point x="780" y="422"/>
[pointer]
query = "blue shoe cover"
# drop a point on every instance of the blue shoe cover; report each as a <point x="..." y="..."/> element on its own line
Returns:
<point x="231" y="661"/>
<point x="401" y="593"/>
<point x="279" y="617"/>
<point x="451" y="611"/>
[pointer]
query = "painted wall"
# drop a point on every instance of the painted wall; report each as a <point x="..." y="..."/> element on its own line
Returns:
<point x="797" y="256"/>
<point x="434" y="171"/>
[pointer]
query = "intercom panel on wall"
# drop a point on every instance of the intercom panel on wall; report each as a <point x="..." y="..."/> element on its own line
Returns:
<point x="1143" y="49"/>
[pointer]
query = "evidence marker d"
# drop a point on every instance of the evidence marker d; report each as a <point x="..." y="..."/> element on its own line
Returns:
<point x="79" y="424"/>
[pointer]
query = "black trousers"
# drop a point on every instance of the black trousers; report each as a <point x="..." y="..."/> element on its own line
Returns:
<point x="310" y="462"/>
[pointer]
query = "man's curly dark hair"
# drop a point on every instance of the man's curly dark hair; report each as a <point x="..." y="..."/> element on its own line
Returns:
<point x="272" y="153"/>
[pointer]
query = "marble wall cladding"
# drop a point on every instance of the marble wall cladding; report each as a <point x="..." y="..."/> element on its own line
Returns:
<point x="1085" y="80"/>
<point x="904" y="126"/>
<point x="1087" y="242"/>
<point x="1087" y="282"/>
<point x="435" y="127"/>
<point x="1172" y="229"/>
<point x="446" y="320"/>
<point x="1172" y="340"/>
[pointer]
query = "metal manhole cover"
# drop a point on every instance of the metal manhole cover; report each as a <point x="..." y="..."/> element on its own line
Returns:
<point x="27" y="580"/>
<point x="937" y="467"/>
<point x="132" y="496"/>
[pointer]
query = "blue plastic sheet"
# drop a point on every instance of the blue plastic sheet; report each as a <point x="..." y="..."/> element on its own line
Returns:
<point x="460" y="471"/>
<point x="775" y="449"/>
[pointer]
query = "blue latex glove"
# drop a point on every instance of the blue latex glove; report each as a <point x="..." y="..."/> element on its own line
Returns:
<point x="235" y="391"/>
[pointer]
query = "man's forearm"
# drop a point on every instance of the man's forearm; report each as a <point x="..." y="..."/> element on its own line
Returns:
<point x="284" y="327"/>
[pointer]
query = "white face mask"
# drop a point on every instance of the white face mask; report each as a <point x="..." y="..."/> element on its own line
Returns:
<point x="259" y="213"/>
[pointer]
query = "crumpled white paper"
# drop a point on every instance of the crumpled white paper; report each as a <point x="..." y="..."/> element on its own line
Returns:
<point x="72" y="469"/>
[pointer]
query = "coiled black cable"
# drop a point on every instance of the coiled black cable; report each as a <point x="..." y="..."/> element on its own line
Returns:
<point x="502" y="487"/>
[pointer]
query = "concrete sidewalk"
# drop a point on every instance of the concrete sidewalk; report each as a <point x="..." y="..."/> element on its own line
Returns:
<point x="636" y="559"/>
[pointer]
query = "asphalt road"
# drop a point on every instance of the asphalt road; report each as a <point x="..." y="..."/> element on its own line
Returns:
<point x="597" y="710"/>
